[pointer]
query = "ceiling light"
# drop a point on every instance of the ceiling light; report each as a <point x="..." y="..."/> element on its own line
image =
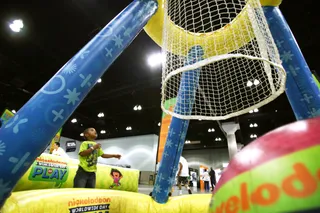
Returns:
<point x="211" y="130"/>
<point x="16" y="25"/>
<point x="13" y="111"/>
<point x="256" y="82"/>
<point x="218" y="139"/>
<point x="81" y="134"/>
<point x="187" y="141"/>
<point x="256" y="110"/>
<point x="159" y="124"/>
<point x="101" y="115"/>
<point x="251" y="111"/>
<point x="103" y="131"/>
<point x="253" y="136"/>
<point x="155" y="59"/>
<point x="276" y="110"/>
<point x="129" y="128"/>
<point x="249" y="84"/>
<point x="137" y="107"/>
<point x="74" y="120"/>
<point x="254" y="125"/>
<point x="99" y="80"/>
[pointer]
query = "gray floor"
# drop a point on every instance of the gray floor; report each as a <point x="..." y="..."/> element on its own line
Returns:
<point x="146" y="189"/>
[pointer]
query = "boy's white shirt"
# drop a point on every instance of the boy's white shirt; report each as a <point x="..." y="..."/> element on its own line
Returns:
<point x="60" y="152"/>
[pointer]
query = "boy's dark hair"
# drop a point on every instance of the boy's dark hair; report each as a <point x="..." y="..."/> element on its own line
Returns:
<point x="57" y="143"/>
<point x="85" y="132"/>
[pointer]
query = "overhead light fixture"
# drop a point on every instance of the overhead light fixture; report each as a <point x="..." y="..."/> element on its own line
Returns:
<point x="103" y="131"/>
<point x="74" y="120"/>
<point x="81" y="134"/>
<point x="211" y="130"/>
<point x="129" y="128"/>
<point x="254" y="125"/>
<point x="155" y="59"/>
<point x="253" y="136"/>
<point x="16" y="25"/>
<point x="13" y="111"/>
<point x="159" y="124"/>
<point x="218" y="139"/>
<point x="254" y="110"/>
<point x="256" y="82"/>
<point x="101" y="115"/>
<point x="99" y="80"/>
<point x="137" y="108"/>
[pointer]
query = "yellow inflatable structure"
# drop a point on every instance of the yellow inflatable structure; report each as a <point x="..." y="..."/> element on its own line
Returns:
<point x="49" y="171"/>
<point x="47" y="187"/>
<point x="95" y="200"/>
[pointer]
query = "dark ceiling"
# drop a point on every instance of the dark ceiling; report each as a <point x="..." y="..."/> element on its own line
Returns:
<point x="55" y="30"/>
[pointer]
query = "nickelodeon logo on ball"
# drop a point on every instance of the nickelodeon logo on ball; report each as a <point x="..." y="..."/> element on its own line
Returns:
<point x="49" y="170"/>
<point x="295" y="188"/>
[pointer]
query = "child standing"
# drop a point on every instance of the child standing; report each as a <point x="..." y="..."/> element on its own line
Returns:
<point x="88" y="157"/>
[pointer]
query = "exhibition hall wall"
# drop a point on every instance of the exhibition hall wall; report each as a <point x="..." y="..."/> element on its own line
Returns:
<point x="208" y="157"/>
<point x="138" y="151"/>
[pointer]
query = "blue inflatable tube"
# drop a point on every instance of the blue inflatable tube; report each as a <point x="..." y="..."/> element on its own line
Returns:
<point x="177" y="129"/>
<point x="301" y="89"/>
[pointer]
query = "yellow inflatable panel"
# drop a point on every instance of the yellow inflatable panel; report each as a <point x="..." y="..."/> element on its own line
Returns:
<point x="49" y="171"/>
<point x="224" y="40"/>
<point x="274" y="3"/>
<point x="104" y="201"/>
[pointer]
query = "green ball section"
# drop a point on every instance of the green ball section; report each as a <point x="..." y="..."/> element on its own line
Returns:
<point x="49" y="171"/>
<point x="285" y="184"/>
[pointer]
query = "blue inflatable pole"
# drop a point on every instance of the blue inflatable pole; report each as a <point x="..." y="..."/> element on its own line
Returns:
<point x="302" y="91"/>
<point x="178" y="129"/>
<point x="28" y="133"/>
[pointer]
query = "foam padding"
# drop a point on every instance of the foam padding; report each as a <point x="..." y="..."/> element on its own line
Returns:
<point x="98" y="200"/>
<point x="50" y="171"/>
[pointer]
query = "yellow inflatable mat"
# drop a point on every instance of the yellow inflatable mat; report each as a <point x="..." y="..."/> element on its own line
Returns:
<point x="49" y="171"/>
<point x="99" y="200"/>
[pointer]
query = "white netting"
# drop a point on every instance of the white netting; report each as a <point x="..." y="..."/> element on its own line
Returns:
<point x="240" y="69"/>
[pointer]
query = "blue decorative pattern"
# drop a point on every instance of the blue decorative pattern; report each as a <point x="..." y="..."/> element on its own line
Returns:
<point x="26" y="135"/>
<point x="302" y="92"/>
<point x="178" y="129"/>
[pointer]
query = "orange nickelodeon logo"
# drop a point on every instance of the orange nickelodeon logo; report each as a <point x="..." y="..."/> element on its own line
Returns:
<point x="246" y="199"/>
